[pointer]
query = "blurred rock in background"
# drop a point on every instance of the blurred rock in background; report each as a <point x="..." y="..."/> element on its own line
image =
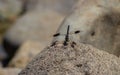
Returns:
<point x="9" y="9"/>
<point x="9" y="71"/>
<point x="39" y="22"/>
<point x="4" y="25"/>
<point x="25" y="54"/>
<point x="98" y="22"/>
<point x="36" y="26"/>
<point x="61" y="6"/>
<point x="3" y="54"/>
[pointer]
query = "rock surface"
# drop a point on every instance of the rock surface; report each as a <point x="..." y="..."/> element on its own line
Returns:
<point x="79" y="59"/>
<point x="9" y="71"/>
<point x="99" y="23"/>
<point x="26" y="52"/>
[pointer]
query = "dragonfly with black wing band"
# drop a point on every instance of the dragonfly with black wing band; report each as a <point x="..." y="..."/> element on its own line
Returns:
<point x="66" y="35"/>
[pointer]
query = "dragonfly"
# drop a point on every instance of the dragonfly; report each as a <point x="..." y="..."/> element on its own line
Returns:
<point x="67" y="35"/>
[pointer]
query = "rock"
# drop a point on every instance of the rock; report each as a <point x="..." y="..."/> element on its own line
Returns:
<point x="98" y="22"/>
<point x="38" y="26"/>
<point x="10" y="9"/>
<point x="26" y="52"/>
<point x="28" y="5"/>
<point x="40" y="21"/>
<point x="34" y="26"/>
<point x="45" y="17"/>
<point x="9" y="71"/>
<point x="79" y="59"/>
<point x="61" y="6"/>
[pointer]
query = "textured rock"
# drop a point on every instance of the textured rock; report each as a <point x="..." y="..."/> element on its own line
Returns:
<point x="9" y="71"/>
<point x="26" y="52"/>
<point x="99" y="23"/>
<point x="10" y="9"/>
<point x="79" y="59"/>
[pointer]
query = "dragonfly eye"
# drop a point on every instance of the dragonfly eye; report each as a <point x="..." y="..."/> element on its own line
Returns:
<point x="56" y="34"/>
<point x="76" y="32"/>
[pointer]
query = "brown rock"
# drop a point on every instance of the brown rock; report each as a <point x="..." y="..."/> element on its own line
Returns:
<point x="99" y="23"/>
<point x="68" y="60"/>
<point x="9" y="71"/>
<point x="26" y="52"/>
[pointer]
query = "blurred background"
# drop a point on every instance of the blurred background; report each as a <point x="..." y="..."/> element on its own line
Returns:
<point x="26" y="23"/>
